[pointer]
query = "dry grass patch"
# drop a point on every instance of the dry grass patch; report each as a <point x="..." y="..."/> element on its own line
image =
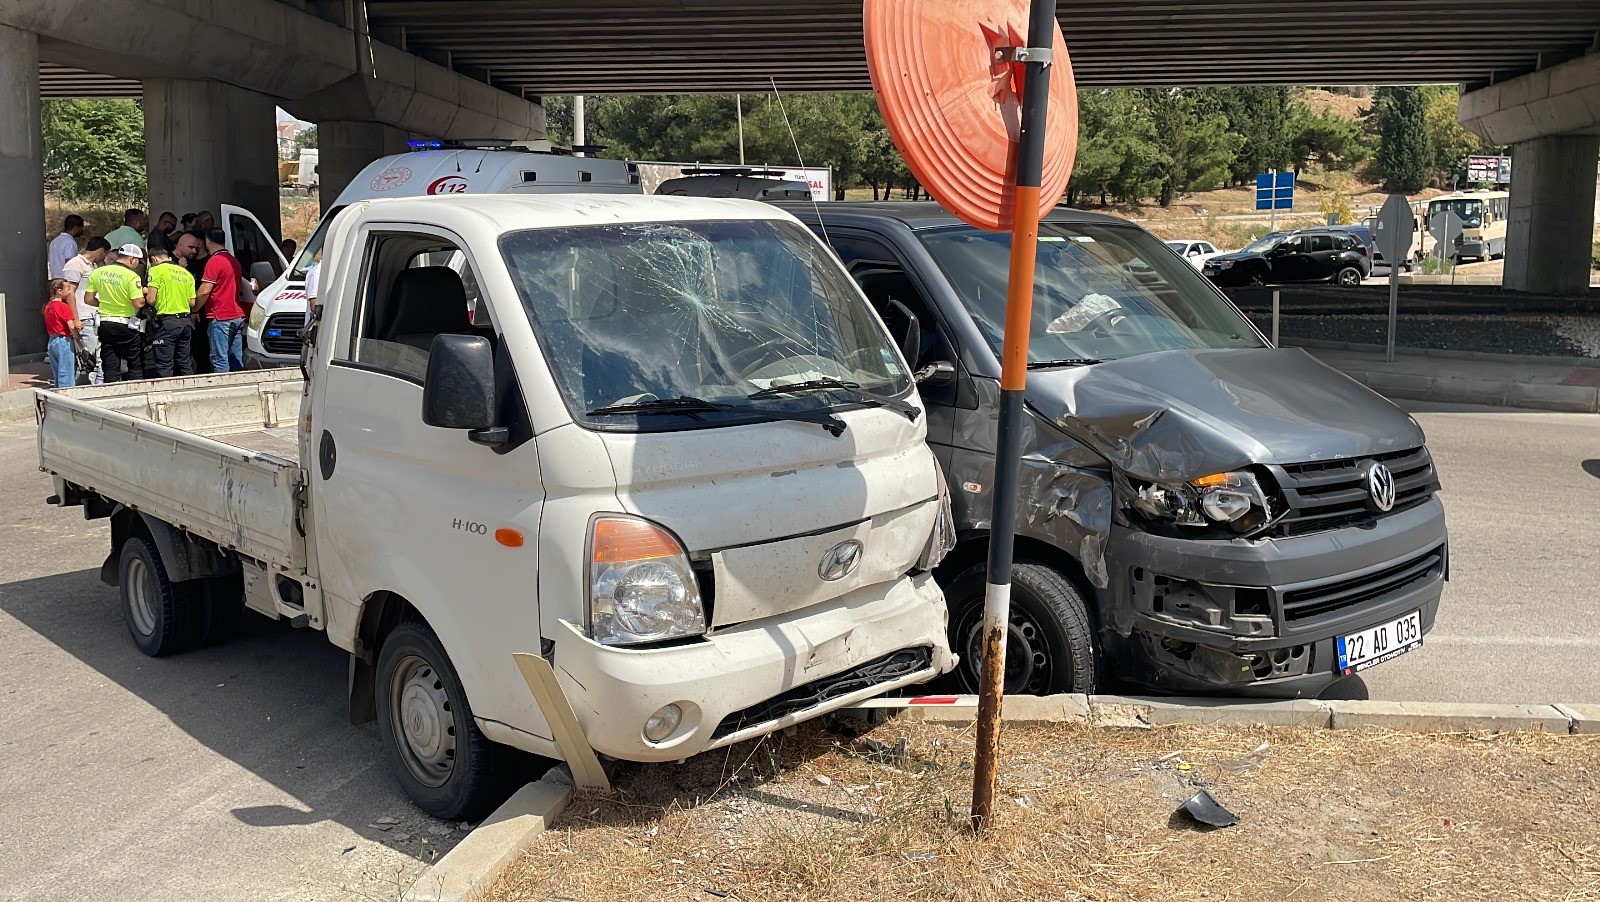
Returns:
<point x="1088" y="813"/>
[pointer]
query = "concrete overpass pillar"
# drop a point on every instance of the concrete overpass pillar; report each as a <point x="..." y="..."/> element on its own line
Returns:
<point x="208" y="143"/>
<point x="22" y="259"/>
<point x="1551" y="228"/>
<point x="345" y="148"/>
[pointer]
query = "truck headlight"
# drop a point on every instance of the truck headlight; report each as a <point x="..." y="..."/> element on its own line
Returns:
<point x="258" y="316"/>
<point x="1236" y="499"/>
<point x="641" y="587"/>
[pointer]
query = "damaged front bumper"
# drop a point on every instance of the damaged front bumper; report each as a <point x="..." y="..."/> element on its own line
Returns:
<point x="749" y="680"/>
<point x="1263" y="618"/>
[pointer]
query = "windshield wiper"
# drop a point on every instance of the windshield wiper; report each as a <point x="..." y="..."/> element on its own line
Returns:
<point x="862" y="396"/>
<point x="692" y="407"/>
<point x="1067" y="361"/>
<point x="681" y="405"/>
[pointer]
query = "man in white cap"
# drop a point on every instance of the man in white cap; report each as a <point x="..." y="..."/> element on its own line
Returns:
<point x="117" y="291"/>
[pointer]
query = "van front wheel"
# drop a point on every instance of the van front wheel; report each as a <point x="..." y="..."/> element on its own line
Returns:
<point x="441" y="759"/>
<point x="1050" y="645"/>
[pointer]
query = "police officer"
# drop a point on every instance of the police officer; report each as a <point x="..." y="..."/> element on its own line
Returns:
<point x="117" y="292"/>
<point x="171" y="293"/>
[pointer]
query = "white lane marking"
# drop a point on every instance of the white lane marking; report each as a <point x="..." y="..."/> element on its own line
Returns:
<point x="1553" y="641"/>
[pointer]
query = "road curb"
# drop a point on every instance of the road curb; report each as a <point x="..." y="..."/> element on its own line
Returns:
<point x="1142" y="713"/>
<point x="17" y="407"/>
<point x="471" y="868"/>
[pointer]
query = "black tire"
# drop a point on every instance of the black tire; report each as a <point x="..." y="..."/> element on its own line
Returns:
<point x="1348" y="277"/>
<point x="466" y="779"/>
<point x="1051" y="648"/>
<point x="1256" y="279"/>
<point x="162" y="616"/>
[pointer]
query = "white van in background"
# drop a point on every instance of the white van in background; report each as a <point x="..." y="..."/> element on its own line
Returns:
<point x="272" y="335"/>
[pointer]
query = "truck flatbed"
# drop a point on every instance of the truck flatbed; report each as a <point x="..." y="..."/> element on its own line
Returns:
<point x="216" y="456"/>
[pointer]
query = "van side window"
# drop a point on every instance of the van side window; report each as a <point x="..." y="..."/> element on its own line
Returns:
<point x="408" y="299"/>
<point x="883" y="279"/>
<point x="250" y="245"/>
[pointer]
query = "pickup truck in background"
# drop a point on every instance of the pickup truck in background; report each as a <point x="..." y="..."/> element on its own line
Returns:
<point x="667" y="457"/>
<point x="1199" y="512"/>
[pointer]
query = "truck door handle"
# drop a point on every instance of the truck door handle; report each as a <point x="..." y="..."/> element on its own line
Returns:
<point x="327" y="454"/>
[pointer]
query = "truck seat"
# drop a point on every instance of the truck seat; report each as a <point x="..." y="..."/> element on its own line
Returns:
<point x="427" y="301"/>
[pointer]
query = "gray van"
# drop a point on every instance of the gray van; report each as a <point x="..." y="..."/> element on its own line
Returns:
<point x="1200" y="512"/>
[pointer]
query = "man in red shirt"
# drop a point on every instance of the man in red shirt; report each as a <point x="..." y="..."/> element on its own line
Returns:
<point x="218" y="302"/>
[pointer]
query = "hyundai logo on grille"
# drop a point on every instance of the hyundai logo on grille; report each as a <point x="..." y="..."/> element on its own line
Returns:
<point x="1380" y="485"/>
<point x="840" y="561"/>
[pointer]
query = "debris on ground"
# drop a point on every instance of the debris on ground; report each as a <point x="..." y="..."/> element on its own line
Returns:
<point x="1207" y="811"/>
<point x="1322" y="815"/>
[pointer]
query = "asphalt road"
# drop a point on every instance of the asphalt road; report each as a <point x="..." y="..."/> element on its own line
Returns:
<point x="230" y="772"/>
<point x="225" y="773"/>
<point x="1520" y="620"/>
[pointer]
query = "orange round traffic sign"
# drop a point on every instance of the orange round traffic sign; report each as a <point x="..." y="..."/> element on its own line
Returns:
<point x="951" y="97"/>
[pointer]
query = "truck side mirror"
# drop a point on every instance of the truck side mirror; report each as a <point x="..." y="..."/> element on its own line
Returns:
<point x="263" y="273"/>
<point x="459" y="391"/>
<point x="911" y="341"/>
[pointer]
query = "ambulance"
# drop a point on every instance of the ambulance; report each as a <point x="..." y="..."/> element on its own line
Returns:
<point x="432" y="167"/>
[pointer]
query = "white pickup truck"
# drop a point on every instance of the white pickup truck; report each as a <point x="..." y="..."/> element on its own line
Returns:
<point x="667" y="470"/>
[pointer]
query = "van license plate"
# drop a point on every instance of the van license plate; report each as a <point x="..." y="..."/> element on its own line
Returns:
<point x="1371" y="647"/>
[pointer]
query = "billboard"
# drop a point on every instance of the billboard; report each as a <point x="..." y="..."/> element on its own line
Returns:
<point x="1495" y="170"/>
<point x="820" y="179"/>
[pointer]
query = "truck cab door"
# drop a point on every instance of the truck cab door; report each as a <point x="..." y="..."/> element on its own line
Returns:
<point x="249" y="241"/>
<point x="414" y="510"/>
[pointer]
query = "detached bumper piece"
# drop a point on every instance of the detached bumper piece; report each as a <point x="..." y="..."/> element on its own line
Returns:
<point x="887" y="669"/>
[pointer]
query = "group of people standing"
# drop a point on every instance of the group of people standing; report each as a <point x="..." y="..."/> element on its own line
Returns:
<point x="131" y="292"/>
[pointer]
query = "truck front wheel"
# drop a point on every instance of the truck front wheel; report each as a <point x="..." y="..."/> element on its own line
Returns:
<point x="1050" y="646"/>
<point x="442" y="760"/>
<point x="161" y="615"/>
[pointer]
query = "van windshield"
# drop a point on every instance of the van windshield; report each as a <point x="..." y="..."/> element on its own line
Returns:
<point x="675" y="325"/>
<point x="1103" y="292"/>
<point x="1470" y="212"/>
<point x="312" y="251"/>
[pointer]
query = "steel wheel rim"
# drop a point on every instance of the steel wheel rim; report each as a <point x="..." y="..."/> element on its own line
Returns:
<point x="1028" y="661"/>
<point x="1350" y="278"/>
<point x="424" y="727"/>
<point x="141" y="593"/>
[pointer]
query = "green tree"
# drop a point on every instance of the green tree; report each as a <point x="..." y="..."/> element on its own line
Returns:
<point x="305" y="139"/>
<point x="1262" y="117"/>
<point x="1328" y="140"/>
<point x="94" y="150"/>
<point x="1405" y="157"/>
<point x="1195" y="146"/>
<point x="1117" y="152"/>
<point x="1449" y="139"/>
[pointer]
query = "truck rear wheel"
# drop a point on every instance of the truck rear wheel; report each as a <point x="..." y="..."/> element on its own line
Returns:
<point x="161" y="614"/>
<point x="1050" y="647"/>
<point x="443" y="762"/>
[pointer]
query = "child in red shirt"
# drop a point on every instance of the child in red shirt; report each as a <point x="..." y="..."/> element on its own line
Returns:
<point x="61" y="324"/>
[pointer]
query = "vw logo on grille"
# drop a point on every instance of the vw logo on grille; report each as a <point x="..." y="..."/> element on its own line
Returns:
<point x="1380" y="485"/>
<point x="840" y="561"/>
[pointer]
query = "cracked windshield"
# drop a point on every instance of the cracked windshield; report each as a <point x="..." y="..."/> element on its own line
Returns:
<point x="1101" y="293"/>
<point x="713" y="322"/>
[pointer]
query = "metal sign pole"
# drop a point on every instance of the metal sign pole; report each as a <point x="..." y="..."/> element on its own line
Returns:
<point x="1275" y="294"/>
<point x="1013" y="380"/>
<point x="1394" y="304"/>
<point x="5" y="347"/>
<point x="1272" y="198"/>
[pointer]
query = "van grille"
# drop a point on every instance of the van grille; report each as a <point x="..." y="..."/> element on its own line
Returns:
<point x="1331" y="494"/>
<point x="893" y="666"/>
<point x="281" y="335"/>
<point x="1328" y="598"/>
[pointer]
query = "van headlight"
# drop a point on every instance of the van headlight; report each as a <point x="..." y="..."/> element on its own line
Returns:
<point x="258" y="316"/>
<point x="1236" y="499"/>
<point x="641" y="587"/>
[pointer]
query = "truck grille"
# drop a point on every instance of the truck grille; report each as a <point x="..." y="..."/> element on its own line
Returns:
<point x="1328" y="598"/>
<point x="281" y="335"/>
<point x="1330" y="494"/>
<point x="887" y="669"/>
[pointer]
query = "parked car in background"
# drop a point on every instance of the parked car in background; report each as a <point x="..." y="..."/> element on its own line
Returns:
<point x="1196" y="252"/>
<point x="1312" y="255"/>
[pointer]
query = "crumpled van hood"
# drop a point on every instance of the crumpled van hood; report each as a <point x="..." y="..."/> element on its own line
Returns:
<point x="1179" y="415"/>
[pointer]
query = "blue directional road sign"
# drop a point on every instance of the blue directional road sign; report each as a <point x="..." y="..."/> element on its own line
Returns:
<point x="1275" y="191"/>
